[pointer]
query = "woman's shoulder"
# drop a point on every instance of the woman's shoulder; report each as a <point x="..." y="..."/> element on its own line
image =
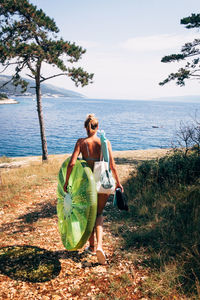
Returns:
<point x="80" y="141"/>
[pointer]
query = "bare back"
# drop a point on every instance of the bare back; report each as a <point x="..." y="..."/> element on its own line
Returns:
<point x="90" y="149"/>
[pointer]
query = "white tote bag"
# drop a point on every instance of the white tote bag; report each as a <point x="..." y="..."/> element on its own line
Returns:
<point x="105" y="182"/>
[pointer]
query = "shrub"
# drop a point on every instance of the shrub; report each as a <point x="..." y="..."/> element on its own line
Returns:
<point x="171" y="170"/>
<point x="3" y="96"/>
<point x="165" y="193"/>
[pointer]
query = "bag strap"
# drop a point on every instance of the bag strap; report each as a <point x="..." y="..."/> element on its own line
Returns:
<point x="101" y="156"/>
<point x="104" y="148"/>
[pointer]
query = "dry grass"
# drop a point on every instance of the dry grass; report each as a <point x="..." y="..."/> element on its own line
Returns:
<point x="33" y="223"/>
<point x="34" y="173"/>
<point x="19" y="180"/>
<point x="5" y="159"/>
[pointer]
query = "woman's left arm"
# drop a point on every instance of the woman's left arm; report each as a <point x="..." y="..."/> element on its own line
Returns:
<point x="72" y="163"/>
<point x="113" y="168"/>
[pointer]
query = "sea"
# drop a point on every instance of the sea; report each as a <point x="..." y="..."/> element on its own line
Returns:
<point x="128" y="124"/>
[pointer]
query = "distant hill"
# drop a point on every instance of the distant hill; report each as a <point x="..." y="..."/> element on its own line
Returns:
<point x="187" y="98"/>
<point x="47" y="89"/>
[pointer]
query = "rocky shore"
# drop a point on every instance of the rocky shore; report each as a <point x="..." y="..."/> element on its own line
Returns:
<point x="126" y="160"/>
<point x="8" y="101"/>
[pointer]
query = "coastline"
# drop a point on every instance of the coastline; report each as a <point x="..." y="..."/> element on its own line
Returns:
<point x="8" y="101"/>
<point x="136" y="154"/>
<point x="126" y="161"/>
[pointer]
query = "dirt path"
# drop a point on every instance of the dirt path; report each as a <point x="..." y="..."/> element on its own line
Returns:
<point x="38" y="267"/>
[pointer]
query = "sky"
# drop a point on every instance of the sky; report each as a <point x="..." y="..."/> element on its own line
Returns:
<point x="125" y="41"/>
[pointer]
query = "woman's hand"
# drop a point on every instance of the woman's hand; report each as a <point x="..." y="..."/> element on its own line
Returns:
<point x="119" y="186"/>
<point x="114" y="169"/>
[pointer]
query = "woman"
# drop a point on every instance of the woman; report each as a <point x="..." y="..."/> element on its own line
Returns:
<point x="90" y="148"/>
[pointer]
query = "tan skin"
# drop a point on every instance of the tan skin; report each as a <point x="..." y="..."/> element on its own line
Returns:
<point x="94" y="145"/>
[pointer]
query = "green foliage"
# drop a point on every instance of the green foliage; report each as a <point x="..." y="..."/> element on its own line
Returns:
<point x="191" y="22"/>
<point x="28" y="39"/>
<point x="166" y="214"/>
<point x="176" y="169"/>
<point x="189" y="51"/>
<point x="3" y="96"/>
<point x="179" y="76"/>
<point x="173" y="57"/>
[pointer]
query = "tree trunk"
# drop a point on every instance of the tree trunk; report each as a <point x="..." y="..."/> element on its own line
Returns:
<point x="40" y="116"/>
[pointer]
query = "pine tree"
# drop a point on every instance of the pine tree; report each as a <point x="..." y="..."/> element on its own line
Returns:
<point x="28" y="40"/>
<point x="190" y="53"/>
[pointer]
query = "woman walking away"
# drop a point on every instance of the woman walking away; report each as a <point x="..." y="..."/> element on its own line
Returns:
<point x="90" y="148"/>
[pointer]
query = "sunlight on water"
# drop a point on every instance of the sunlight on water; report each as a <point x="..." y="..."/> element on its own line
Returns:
<point x="129" y="125"/>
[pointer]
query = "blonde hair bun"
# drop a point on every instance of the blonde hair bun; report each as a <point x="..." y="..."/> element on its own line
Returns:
<point x="91" y="123"/>
<point x="90" y="116"/>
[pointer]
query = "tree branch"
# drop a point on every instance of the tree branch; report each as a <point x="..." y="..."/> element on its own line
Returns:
<point x="9" y="64"/>
<point x="6" y="83"/>
<point x="32" y="77"/>
<point x="53" y="76"/>
<point x="30" y="67"/>
<point x="194" y="75"/>
<point x="4" y="68"/>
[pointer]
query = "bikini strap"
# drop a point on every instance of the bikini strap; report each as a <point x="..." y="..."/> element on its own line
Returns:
<point x="88" y="152"/>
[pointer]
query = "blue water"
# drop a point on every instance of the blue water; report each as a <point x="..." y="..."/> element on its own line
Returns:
<point x="128" y="124"/>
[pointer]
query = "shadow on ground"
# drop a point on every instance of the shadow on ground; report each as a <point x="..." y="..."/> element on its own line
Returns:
<point x="24" y="222"/>
<point x="34" y="264"/>
<point x="29" y="263"/>
<point x="42" y="211"/>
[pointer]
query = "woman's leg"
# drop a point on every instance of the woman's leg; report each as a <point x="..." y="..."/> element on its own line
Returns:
<point x="102" y="199"/>
<point x="91" y="241"/>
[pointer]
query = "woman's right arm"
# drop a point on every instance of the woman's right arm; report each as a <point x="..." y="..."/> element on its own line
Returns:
<point x="72" y="162"/>
<point x="113" y="168"/>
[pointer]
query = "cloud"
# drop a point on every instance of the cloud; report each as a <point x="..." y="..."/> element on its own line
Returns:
<point x="88" y="44"/>
<point x="157" y="42"/>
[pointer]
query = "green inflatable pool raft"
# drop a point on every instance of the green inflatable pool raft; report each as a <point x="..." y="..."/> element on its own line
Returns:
<point x="77" y="209"/>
